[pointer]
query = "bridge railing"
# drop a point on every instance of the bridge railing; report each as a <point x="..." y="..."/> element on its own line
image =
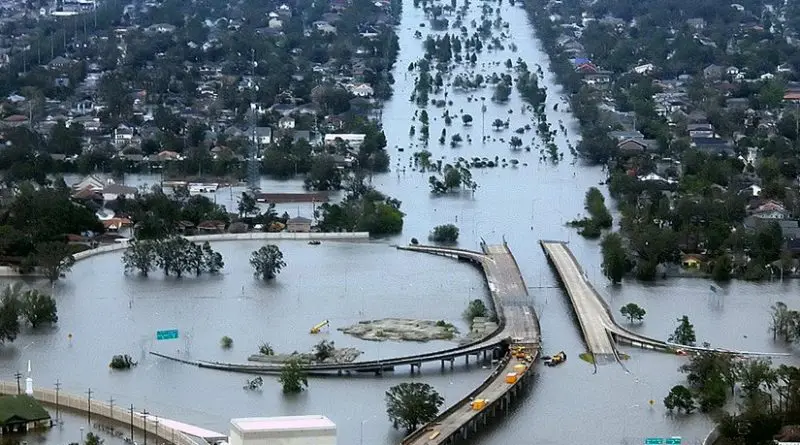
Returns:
<point x="428" y="427"/>
<point x="106" y="412"/>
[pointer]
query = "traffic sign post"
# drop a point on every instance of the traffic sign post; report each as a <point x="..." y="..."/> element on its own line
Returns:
<point x="170" y="334"/>
<point x="674" y="440"/>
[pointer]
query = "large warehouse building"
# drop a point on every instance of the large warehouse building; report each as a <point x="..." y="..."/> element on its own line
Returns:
<point x="290" y="430"/>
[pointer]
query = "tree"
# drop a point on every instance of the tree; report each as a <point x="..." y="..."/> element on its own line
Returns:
<point x="466" y="119"/>
<point x="323" y="350"/>
<point x="38" y="308"/>
<point x="755" y="376"/>
<point x="55" y="258"/>
<point x="680" y="399"/>
<point x="722" y="268"/>
<point x="615" y="259"/>
<point x="293" y="378"/>
<point x="139" y="256"/>
<point x="782" y="321"/>
<point x="211" y="261"/>
<point x="476" y="308"/>
<point x="445" y="233"/>
<point x="684" y="333"/>
<point x="9" y="313"/>
<point x="247" y="205"/>
<point x="498" y="124"/>
<point x="226" y="342"/>
<point x="265" y="349"/>
<point x="267" y="261"/>
<point x="412" y="404"/>
<point x="633" y="312"/>
<point x="515" y="142"/>
<point x="93" y="439"/>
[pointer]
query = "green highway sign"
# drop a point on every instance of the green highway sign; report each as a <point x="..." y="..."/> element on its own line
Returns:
<point x="673" y="441"/>
<point x="170" y="334"/>
<point x="654" y="441"/>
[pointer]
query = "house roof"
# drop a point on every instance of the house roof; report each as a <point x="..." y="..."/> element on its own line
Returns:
<point x="21" y="408"/>
<point x="298" y="220"/>
<point x="117" y="189"/>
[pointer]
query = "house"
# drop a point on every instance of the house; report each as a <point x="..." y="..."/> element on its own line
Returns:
<point x="286" y="123"/>
<point x="211" y="226"/>
<point x="352" y="140"/>
<point x="261" y="135"/>
<point x="790" y="229"/>
<point x="696" y="23"/>
<point x="113" y="191"/>
<point x="90" y="182"/>
<point x="162" y="28"/>
<point x="298" y="224"/>
<point x="20" y="413"/>
<point x="275" y="23"/>
<point x="116" y="224"/>
<point x="714" y="72"/>
<point x="362" y="90"/>
<point x="701" y="130"/>
<point x="647" y="68"/>
<point x="713" y="146"/>
<point x="692" y="261"/>
<point x="630" y="146"/>
<point x="59" y="63"/>
<point x="15" y="120"/>
<point x="166" y="155"/>
<point x="623" y="135"/>
<point x="61" y="82"/>
<point x="123" y="135"/>
<point x="772" y="210"/>
<point x="752" y="191"/>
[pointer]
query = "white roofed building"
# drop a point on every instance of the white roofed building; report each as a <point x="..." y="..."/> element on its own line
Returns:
<point x="288" y="430"/>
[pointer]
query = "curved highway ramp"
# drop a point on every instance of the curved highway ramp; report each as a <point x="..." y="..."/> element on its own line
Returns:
<point x="600" y="331"/>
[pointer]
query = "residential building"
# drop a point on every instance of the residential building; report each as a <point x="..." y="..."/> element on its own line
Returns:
<point x="286" y="123"/>
<point x="352" y="140"/>
<point x="113" y="191"/>
<point x="261" y="135"/>
<point x="123" y="135"/>
<point x="90" y="182"/>
<point x="21" y="413"/>
<point x="298" y="224"/>
<point x="362" y="90"/>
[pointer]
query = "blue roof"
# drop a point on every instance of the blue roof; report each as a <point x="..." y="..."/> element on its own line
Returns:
<point x="580" y="61"/>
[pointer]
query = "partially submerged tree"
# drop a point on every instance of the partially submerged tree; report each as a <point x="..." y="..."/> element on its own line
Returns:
<point x="684" y="333"/>
<point x="323" y="350"/>
<point x="293" y="378"/>
<point x="476" y="308"/>
<point x="445" y="233"/>
<point x="412" y="404"/>
<point x="680" y="399"/>
<point x="37" y="308"/>
<point x="54" y="258"/>
<point x="267" y="261"/>
<point x="633" y="312"/>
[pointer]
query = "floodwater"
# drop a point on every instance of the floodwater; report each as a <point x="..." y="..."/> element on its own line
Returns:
<point x="109" y="313"/>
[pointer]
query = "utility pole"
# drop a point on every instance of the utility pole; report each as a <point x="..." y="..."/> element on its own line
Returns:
<point x="89" y="392"/>
<point x="111" y="407"/>
<point x="144" y="416"/>
<point x="18" y="376"/>
<point x="58" y="389"/>
<point x="131" y="422"/>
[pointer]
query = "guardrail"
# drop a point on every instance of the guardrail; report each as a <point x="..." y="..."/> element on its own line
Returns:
<point x="459" y="404"/>
<point x="105" y="412"/>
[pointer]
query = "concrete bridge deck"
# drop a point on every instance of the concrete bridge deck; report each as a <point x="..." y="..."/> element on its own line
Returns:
<point x="600" y="331"/>
<point x="517" y="321"/>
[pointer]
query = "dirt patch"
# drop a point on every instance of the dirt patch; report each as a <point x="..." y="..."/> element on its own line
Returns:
<point x="338" y="355"/>
<point x="402" y="329"/>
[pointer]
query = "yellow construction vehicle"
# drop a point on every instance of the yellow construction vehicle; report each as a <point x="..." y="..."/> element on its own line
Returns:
<point x="317" y="327"/>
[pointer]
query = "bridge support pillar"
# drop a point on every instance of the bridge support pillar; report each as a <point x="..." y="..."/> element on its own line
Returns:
<point x="442" y="364"/>
<point x="484" y="355"/>
<point x="452" y="361"/>
<point x="467" y="358"/>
